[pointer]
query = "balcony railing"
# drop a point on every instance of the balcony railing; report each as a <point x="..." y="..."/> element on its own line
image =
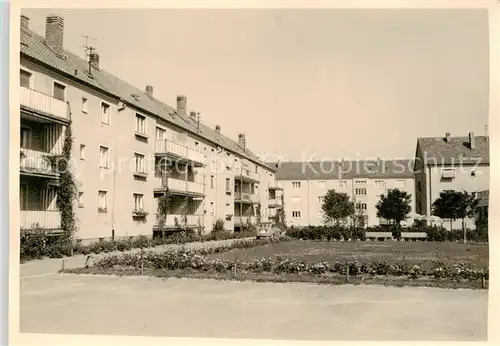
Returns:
<point x="241" y="220"/>
<point x="179" y="151"/>
<point x="33" y="161"/>
<point x="170" y="221"/>
<point x="177" y="185"/>
<point x="43" y="103"/>
<point x="246" y="196"/>
<point x="275" y="202"/>
<point x="246" y="175"/>
<point x="45" y="219"/>
<point x="276" y="186"/>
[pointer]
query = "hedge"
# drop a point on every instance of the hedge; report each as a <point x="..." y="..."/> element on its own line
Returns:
<point x="434" y="233"/>
<point x="37" y="244"/>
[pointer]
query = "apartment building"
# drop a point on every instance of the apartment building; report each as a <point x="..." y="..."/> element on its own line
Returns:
<point x="306" y="183"/>
<point x="129" y="149"/>
<point x="450" y="163"/>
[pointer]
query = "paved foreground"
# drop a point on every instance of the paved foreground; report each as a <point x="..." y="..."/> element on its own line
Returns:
<point x="141" y="306"/>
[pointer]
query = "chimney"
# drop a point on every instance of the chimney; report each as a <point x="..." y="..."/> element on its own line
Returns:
<point x="472" y="140"/>
<point x="181" y="105"/>
<point x="217" y="129"/>
<point x="25" y="21"/>
<point x="94" y="60"/>
<point x="242" y="140"/>
<point x="448" y="137"/>
<point x="54" y="33"/>
<point x="149" y="90"/>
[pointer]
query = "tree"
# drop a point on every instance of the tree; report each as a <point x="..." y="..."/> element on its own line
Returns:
<point x="454" y="205"/>
<point x="394" y="207"/>
<point x="336" y="207"/>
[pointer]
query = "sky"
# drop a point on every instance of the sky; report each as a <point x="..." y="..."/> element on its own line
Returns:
<point x="302" y="84"/>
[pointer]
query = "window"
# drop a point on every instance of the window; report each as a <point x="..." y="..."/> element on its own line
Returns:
<point x="25" y="137"/>
<point x="342" y="184"/>
<point x="400" y="184"/>
<point x="296" y="184"/>
<point x="295" y="213"/>
<point x="139" y="163"/>
<point x="321" y="199"/>
<point x="360" y="191"/>
<point x="361" y="206"/>
<point x="160" y="134"/>
<point x="80" y="199"/>
<point x="138" y="202"/>
<point x="322" y="185"/>
<point x="103" y="157"/>
<point x="361" y="182"/>
<point x="140" y="124"/>
<point x="104" y="113"/>
<point x="380" y="184"/>
<point x="102" y="202"/>
<point x="212" y="208"/>
<point x="212" y="181"/>
<point x="256" y="169"/>
<point x="295" y="199"/>
<point x="59" y="91"/>
<point x="84" y="105"/>
<point x="82" y="152"/>
<point x="228" y="185"/>
<point x="25" y="78"/>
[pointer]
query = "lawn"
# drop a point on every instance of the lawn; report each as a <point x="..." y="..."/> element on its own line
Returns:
<point x="423" y="253"/>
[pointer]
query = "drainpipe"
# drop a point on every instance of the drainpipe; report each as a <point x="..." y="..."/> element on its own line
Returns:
<point x="430" y="192"/>
<point x="121" y="107"/>
<point x="308" y="201"/>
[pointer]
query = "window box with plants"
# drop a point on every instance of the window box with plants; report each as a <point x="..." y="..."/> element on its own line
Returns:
<point x="102" y="210"/>
<point x="139" y="214"/>
<point x="141" y="174"/>
<point x="229" y="217"/>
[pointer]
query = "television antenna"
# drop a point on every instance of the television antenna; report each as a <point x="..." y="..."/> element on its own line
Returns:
<point x="89" y="50"/>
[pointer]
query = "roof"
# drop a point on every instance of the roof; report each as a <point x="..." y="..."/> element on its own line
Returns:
<point x="436" y="150"/>
<point x="334" y="170"/>
<point x="33" y="46"/>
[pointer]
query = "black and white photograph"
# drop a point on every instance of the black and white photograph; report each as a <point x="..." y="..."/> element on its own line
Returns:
<point x="284" y="173"/>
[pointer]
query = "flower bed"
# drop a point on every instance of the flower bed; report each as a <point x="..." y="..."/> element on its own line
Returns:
<point x="196" y="261"/>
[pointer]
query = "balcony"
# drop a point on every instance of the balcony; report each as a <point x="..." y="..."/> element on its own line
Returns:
<point x="179" y="152"/>
<point x="276" y="186"/>
<point x="43" y="105"/>
<point x="176" y="221"/>
<point x="241" y="220"/>
<point x="275" y="203"/>
<point x="46" y="219"/>
<point x="34" y="162"/>
<point x="246" y="197"/>
<point x="179" y="187"/>
<point x="246" y="175"/>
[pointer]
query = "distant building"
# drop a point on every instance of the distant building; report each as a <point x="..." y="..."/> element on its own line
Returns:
<point x="450" y="163"/>
<point x="306" y="183"/>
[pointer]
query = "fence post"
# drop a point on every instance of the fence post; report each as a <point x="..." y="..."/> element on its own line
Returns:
<point x="62" y="266"/>
<point x="347" y="274"/>
<point x="483" y="281"/>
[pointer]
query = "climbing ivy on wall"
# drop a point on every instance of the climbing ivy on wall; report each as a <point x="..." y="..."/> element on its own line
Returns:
<point x="67" y="191"/>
